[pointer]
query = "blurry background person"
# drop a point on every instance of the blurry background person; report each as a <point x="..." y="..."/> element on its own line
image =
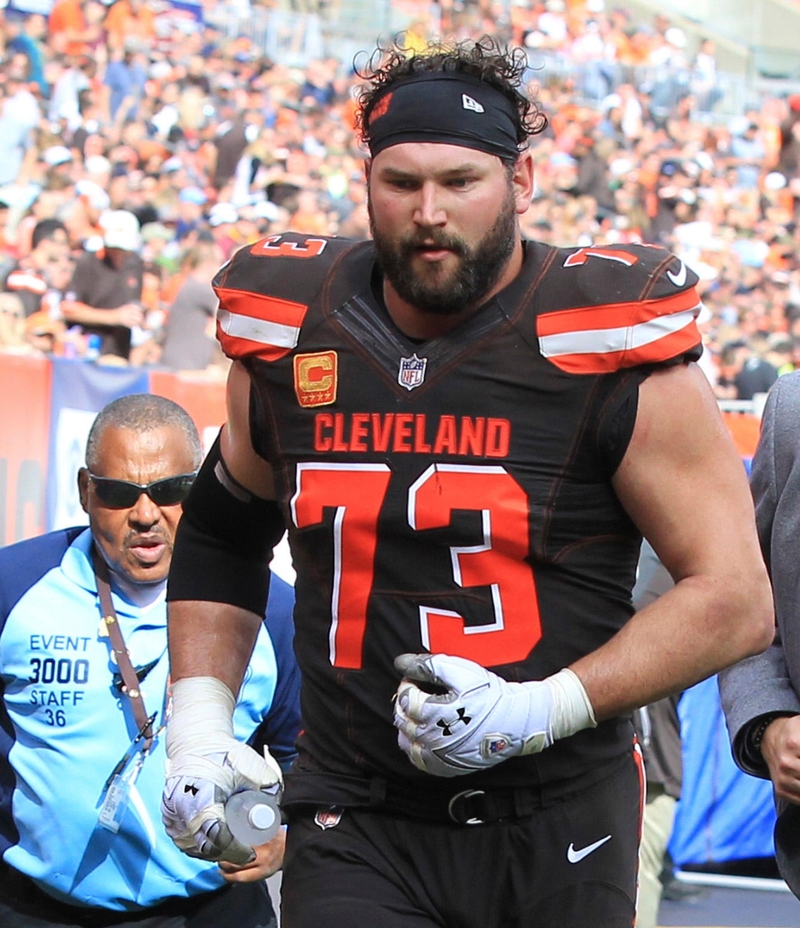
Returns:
<point x="45" y="334"/>
<point x="744" y="372"/>
<point x="105" y="292"/>
<point x="189" y="342"/>
<point x="658" y="730"/>
<point x="28" y="42"/>
<point x="123" y="83"/>
<point x="70" y="32"/>
<point x="15" y="133"/>
<point x="12" y="326"/>
<point x="30" y="279"/>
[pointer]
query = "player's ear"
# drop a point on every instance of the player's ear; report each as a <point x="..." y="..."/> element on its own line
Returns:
<point x="83" y="488"/>
<point x="367" y="169"/>
<point x="522" y="181"/>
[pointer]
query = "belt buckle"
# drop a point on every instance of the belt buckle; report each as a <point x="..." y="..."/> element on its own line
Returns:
<point x="463" y="796"/>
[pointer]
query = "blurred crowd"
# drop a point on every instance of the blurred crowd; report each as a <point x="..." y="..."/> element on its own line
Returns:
<point x="138" y="151"/>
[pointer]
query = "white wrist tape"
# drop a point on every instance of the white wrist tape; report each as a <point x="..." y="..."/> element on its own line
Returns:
<point x="202" y="716"/>
<point x="572" y="711"/>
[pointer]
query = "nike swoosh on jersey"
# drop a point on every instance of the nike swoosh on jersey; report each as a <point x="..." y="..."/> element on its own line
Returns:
<point x="575" y="857"/>
<point x="678" y="279"/>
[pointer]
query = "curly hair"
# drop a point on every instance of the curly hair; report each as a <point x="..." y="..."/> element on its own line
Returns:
<point x="484" y="58"/>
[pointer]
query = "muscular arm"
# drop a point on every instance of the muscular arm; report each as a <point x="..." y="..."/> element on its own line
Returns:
<point x="684" y="485"/>
<point x="222" y="549"/>
<point x="215" y="639"/>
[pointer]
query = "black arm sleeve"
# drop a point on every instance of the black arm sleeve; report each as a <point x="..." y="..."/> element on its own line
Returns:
<point x="224" y="541"/>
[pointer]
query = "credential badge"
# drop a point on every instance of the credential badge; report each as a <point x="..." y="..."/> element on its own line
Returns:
<point x="412" y="371"/>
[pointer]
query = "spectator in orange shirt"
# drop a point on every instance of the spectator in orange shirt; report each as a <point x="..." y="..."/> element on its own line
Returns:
<point x="130" y="22"/>
<point x="68" y="29"/>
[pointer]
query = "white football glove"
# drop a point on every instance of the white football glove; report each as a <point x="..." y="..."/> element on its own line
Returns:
<point x="455" y="717"/>
<point x="205" y="766"/>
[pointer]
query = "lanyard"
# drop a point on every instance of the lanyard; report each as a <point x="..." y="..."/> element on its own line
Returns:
<point x="130" y="686"/>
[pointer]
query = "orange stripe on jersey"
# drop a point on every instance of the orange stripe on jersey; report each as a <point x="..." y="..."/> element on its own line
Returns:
<point x="638" y="759"/>
<point x="605" y="362"/>
<point x="601" y="339"/>
<point x="254" y="325"/>
<point x="666" y="348"/>
<point x="614" y="315"/>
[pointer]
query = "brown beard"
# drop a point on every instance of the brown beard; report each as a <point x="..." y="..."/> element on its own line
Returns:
<point x="479" y="268"/>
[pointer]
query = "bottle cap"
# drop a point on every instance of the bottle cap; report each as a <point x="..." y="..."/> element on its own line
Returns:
<point x="253" y="816"/>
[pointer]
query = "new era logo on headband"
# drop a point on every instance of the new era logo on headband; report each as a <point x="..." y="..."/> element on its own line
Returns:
<point x="469" y="104"/>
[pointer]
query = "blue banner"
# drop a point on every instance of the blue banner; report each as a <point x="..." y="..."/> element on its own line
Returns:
<point x="80" y="391"/>
<point x="723" y="814"/>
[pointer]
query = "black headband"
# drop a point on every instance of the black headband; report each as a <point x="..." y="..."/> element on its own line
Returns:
<point x="446" y="107"/>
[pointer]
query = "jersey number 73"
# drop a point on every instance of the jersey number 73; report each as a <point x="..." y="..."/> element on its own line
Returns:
<point x="356" y="492"/>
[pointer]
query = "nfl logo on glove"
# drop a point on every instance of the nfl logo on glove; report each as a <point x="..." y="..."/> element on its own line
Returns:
<point x="497" y="744"/>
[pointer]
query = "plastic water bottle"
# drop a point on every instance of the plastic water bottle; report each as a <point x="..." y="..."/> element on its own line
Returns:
<point x="253" y="816"/>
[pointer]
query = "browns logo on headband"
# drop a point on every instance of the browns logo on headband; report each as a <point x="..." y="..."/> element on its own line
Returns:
<point x="445" y="107"/>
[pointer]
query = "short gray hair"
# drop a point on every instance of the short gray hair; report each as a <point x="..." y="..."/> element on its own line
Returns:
<point x="142" y="412"/>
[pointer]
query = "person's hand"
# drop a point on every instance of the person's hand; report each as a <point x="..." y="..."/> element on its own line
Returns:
<point x="268" y="860"/>
<point x="454" y="717"/>
<point x="129" y="314"/>
<point x="197" y="787"/>
<point x="205" y="766"/>
<point x="780" y="748"/>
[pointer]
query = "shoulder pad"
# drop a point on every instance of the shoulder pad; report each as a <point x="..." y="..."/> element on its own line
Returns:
<point x="618" y="306"/>
<point x="265" y="290"/>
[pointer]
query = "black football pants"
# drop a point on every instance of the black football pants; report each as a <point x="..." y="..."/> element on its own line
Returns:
<point x="571" y="865"/>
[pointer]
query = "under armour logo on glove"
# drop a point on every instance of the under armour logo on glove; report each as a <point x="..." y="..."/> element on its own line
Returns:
<point x="447" y="727"/>
<point x="195" y="793"/>
<point x="500" y="719"/>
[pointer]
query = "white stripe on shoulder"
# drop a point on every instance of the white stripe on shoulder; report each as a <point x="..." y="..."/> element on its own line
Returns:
<point x="622" y="338"/>
<point x="237" y="325"/>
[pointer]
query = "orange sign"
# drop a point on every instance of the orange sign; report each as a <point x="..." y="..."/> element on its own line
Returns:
<point x="204" y="400"/>
<point x="25" y="429"/>
<point x="745" y="430"/>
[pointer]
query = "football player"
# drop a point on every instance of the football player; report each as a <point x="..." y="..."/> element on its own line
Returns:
<point x="466" y="435"/>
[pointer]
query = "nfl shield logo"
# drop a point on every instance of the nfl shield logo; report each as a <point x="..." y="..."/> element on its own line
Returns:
<point x="328" y="817"/>
<point x="412" y="371"/>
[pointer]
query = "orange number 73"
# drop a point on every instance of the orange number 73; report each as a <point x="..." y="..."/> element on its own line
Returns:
<point x="356" y="493"/>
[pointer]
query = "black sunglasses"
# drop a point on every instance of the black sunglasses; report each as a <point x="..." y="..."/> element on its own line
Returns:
<point x="122" y="494"/>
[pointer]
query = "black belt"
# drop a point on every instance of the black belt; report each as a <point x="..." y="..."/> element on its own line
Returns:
<point x="23" y="895"/>
<point x="461" y="807"/>
<point x="309" y="785"/>
<point x="464" y="806"/>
